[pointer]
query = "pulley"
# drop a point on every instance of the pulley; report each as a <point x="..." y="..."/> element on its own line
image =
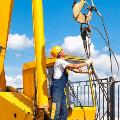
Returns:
<point x="78" y="15"/>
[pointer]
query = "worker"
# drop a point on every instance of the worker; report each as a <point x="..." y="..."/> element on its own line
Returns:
<point x="60" y="77"/>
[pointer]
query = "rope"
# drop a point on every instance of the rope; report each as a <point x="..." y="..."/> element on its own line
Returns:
<point x="84" y="34"/>
<point x="86" y="43"/>
<point x="109" y="49"/>
<point x="106" y="41"/>
<point x="74" y="3"/>
<point x="98" y="108"/>
<point x="87" y="51"/>
<point x="108" y="44"/>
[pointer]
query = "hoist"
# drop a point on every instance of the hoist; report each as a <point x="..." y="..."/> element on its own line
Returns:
<point x="84" y="20"/>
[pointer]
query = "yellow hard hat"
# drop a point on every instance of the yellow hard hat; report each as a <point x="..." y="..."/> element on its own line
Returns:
<point x="55" y="51"/>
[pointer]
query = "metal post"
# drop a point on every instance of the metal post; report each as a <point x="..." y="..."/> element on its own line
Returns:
<point x="108" y="97"/>
<point x="112" y="101"/>
<point x="118" y="102"/>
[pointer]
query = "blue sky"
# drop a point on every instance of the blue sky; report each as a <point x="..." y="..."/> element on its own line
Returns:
<point x="58" y="24"/>
<point x="58" y="19"/>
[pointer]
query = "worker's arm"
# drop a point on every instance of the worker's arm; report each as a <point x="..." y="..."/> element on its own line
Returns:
<point x="80" y="71"/>
<point x="75" y="70"/>
<point x="75" y="66"/>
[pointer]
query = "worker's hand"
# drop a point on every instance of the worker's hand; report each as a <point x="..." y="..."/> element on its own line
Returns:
<point x="90" y="71"/>
<point x="88" y="61"/>
<point x="79" y="70"/>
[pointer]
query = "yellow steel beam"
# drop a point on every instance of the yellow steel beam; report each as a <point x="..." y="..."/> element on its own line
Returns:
<point x="29" y="82"/>
<point x="31" y="65"/>
<point x="85" y="113"/>
<point x="5" y="14"/>
<point x="2" y="81"/>
<point x="15" y="106"/>
<point x="38" y="25"/>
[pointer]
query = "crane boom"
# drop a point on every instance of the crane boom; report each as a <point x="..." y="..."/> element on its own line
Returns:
<point x="5" y="15"/>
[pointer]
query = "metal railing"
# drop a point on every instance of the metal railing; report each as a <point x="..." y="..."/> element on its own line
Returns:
<point x="20" y="90"/>
<point x="115" y="102"/>
<point x="83" y="93"/>
<point x="107" y="97"/>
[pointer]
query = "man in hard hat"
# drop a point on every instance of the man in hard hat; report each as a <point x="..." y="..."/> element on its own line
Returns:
<point x="59" y="80"/>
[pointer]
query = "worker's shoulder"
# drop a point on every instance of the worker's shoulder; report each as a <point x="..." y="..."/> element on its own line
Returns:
<point x="60" y="60"/>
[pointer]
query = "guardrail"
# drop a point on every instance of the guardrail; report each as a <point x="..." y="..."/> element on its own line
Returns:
<point x="107" y="98"/>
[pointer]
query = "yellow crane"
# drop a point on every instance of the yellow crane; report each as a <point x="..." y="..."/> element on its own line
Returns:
<point x="34" y="102"/>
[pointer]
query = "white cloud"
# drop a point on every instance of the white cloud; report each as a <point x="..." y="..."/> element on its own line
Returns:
<point x="102" y="65"/>
<point x="17" y="41"/>
<point x="15" y="82"/>
<point x="73" y="45"/>
<point x="105" y="49"/>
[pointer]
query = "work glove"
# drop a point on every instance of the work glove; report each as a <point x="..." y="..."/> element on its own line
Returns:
<point x="88" y="61"/>
<point x="91" y="71"/>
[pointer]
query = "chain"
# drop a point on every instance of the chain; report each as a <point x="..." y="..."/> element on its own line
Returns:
<point x="75" y="96"/>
